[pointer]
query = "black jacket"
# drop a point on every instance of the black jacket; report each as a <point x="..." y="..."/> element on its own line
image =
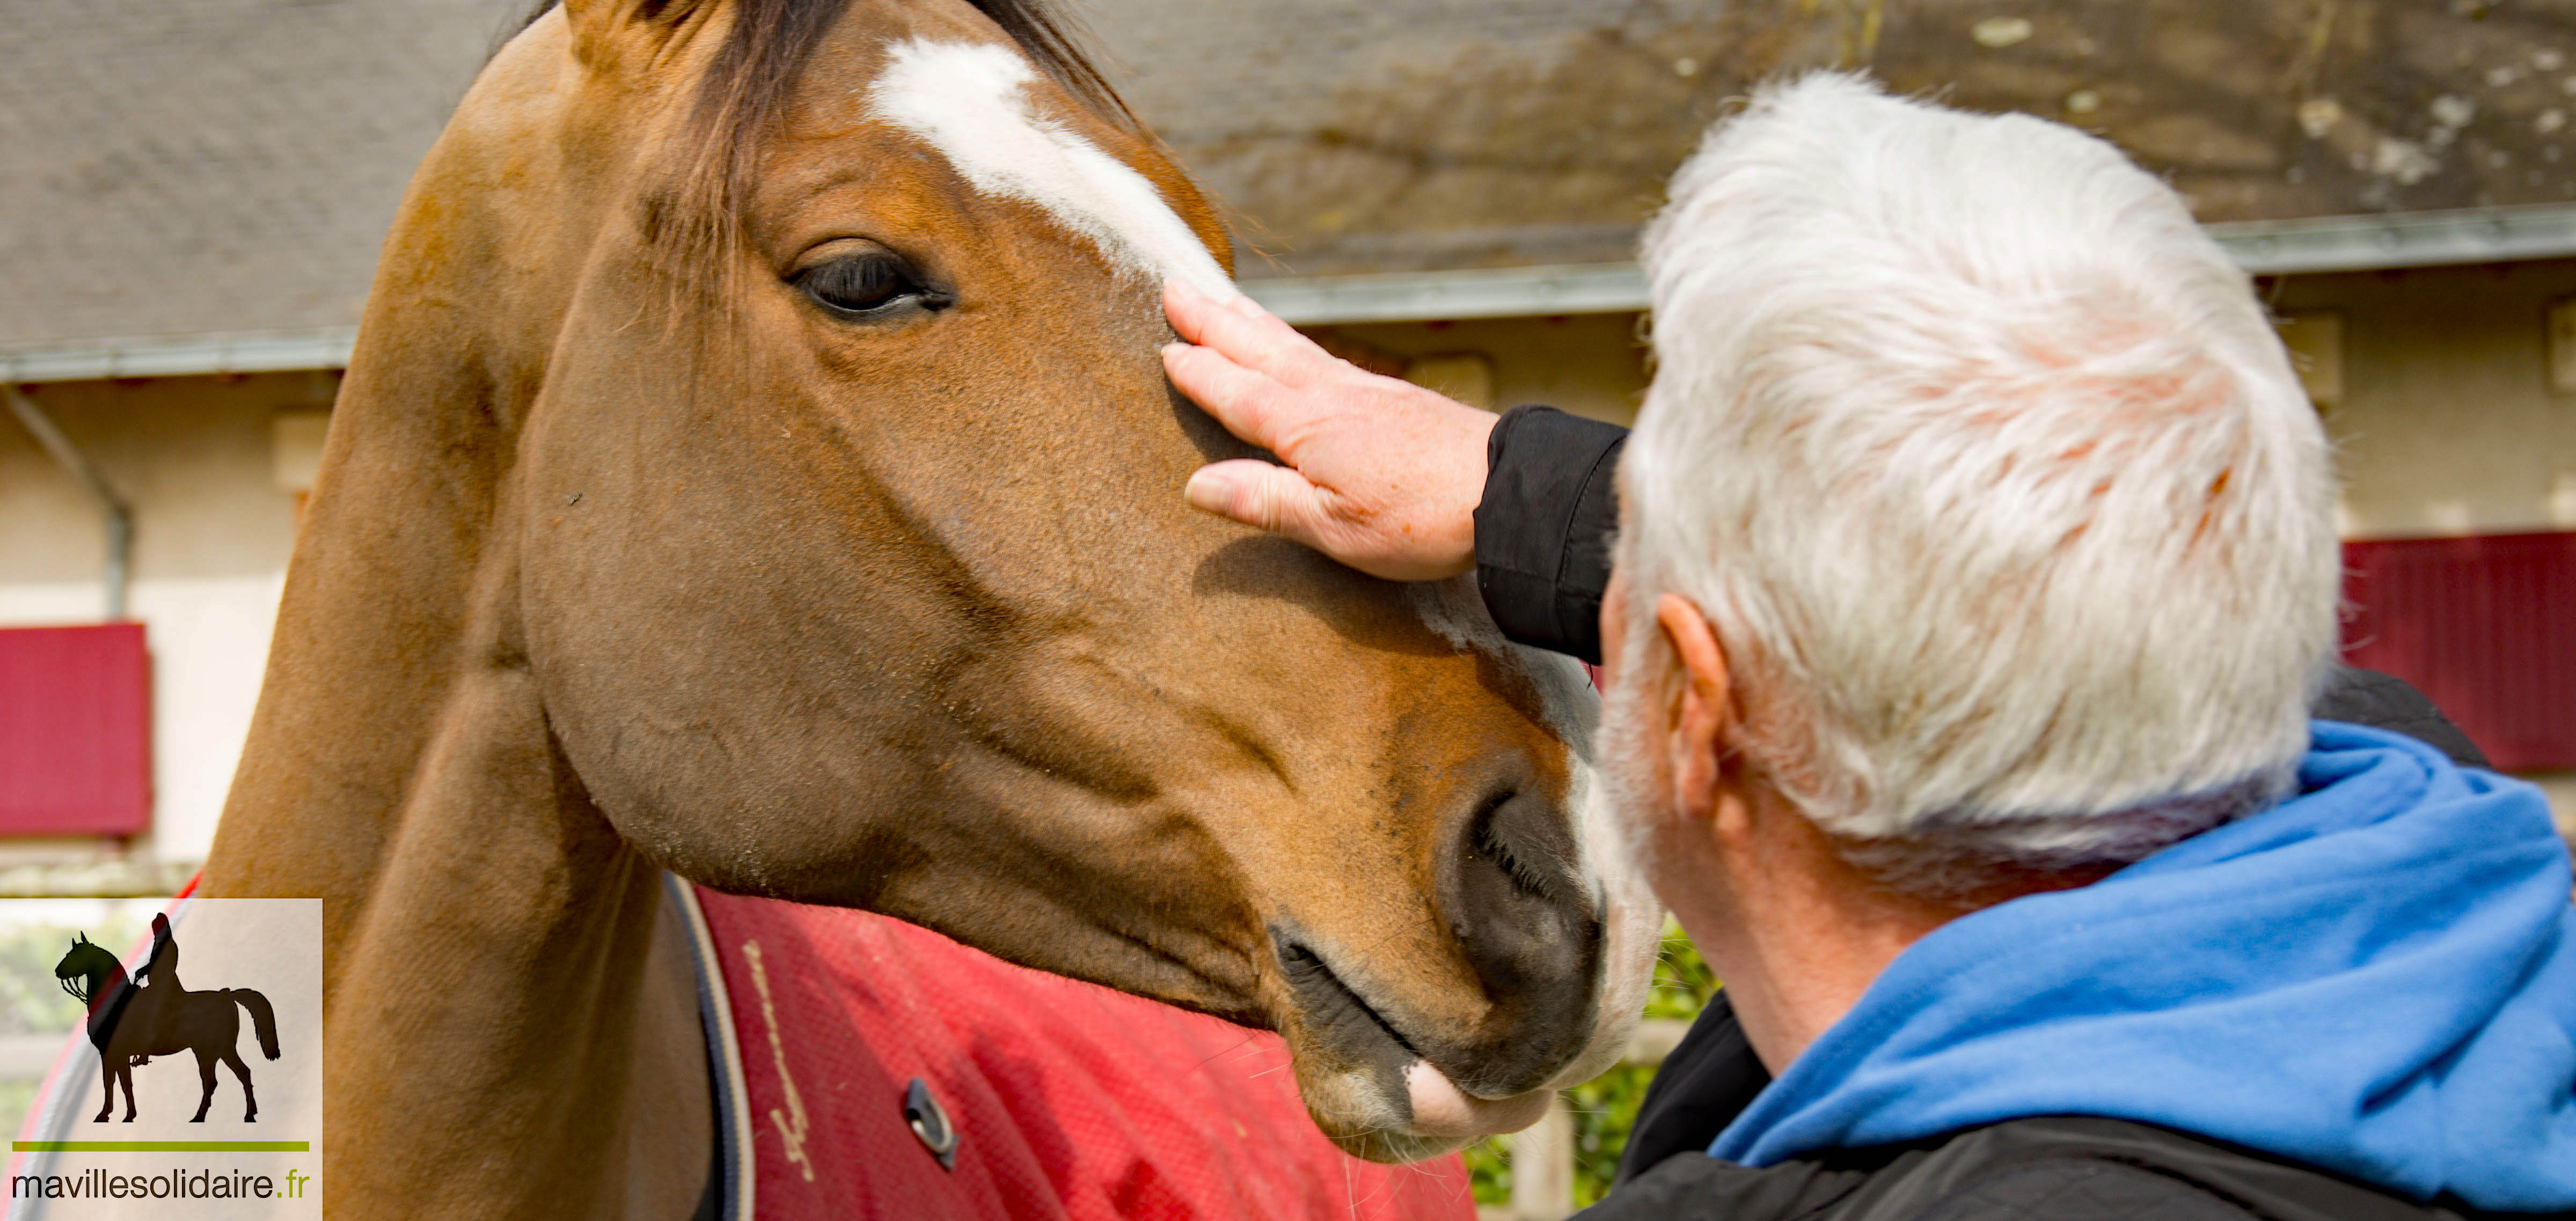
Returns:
<point x="2060" y="1167"/>
<point x="2073" y="1168"/>
<point x="1543" y="529"/>
<point x="1543" y="535"/>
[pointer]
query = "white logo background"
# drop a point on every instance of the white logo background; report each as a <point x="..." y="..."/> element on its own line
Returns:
<point x="272" y="946"/>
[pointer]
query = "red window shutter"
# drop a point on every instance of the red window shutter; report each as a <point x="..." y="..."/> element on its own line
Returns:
<point x="75" y="731"/>
<point x="2484" y="625"/>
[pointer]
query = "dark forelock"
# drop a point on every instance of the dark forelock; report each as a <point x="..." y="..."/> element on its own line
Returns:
<point x="754" y="75"/>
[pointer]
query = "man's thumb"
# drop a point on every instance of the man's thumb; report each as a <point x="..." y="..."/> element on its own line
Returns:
<point x="1258" y="494"/>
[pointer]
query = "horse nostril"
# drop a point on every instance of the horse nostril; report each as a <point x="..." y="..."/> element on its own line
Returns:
<point x="1534" y="866"/>
<point x="1524" y="916"/>
<point x="1517" y="902"/>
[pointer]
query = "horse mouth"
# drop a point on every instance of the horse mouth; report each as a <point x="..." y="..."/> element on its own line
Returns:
<point x="1337" y="1014"/>
<point x="1369" y="1087"/>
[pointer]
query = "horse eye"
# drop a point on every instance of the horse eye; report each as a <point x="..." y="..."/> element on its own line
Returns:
<point x="862" y="283"/>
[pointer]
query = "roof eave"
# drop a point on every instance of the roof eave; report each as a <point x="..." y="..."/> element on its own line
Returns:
<point x="179" y="355"/>
<point x="2298" y="247"/>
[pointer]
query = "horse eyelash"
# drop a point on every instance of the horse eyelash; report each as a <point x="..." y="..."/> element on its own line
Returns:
<point x="849" y="275"/>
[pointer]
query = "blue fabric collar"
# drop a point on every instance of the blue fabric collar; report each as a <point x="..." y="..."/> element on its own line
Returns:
<point x="2376" y="977"/>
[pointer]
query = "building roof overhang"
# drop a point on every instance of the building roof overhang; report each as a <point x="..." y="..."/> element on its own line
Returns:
<point x="2299" y="247"/>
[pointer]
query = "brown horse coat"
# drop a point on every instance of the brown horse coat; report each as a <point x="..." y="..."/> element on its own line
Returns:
<point x="756" y="464"/>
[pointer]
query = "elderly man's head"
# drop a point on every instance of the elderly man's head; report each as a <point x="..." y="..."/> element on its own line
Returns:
<point x="2004" y="508"/>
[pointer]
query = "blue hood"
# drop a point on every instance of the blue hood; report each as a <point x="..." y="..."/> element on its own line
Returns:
<point x="2377" y="977"/>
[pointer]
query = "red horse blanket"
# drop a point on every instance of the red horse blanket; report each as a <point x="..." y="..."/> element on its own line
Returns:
<point x="1068" y="1100"/>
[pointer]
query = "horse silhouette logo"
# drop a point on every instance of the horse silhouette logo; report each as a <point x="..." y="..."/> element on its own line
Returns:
<point x="153" y="1014"/>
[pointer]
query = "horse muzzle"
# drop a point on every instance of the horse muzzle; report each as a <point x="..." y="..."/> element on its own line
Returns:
<point x="1366" y="1084"/>
<point x="1560" y="957"/>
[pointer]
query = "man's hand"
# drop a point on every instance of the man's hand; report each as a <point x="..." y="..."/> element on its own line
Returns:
<point x="1381" y="474"/>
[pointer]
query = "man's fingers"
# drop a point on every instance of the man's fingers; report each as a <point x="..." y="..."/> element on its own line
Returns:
<point x="1188" y="308"/>
<point x="1258" y="339"/>
<point x="1239" y="398"/>
<point x="1248" y="335"/>
<point x="1191" y="310"/>
<point x="1258" y="494"/>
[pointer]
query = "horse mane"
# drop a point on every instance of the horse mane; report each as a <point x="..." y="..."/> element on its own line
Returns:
<point x="754" y="75"/>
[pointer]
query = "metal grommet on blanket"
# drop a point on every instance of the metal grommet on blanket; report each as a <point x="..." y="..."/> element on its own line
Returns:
<point x="930" y="1123"/>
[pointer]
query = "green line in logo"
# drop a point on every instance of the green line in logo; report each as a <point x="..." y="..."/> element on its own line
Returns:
<point x="161" y="1146"/>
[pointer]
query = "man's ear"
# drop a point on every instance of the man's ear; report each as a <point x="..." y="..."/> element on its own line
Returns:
<point x="1701" y="708"/>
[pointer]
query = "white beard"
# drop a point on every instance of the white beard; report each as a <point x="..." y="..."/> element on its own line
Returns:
<point x="1635" y="788"/>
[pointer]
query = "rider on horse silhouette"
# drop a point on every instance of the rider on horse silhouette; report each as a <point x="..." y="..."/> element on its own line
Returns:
<point x="161" y="964"/>
<point x="130" y="1024"/>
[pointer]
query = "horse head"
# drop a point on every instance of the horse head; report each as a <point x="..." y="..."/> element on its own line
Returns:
<point x="87" y="972"/>
<point x="765" y="396"/>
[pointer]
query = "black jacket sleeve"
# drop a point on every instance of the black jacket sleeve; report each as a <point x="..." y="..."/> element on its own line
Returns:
<point x="1544" y="527"/>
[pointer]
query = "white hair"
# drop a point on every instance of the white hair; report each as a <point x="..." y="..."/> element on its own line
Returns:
<point x="1990" y="472"/>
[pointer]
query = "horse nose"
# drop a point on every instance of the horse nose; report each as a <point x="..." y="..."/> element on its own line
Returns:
<point x="1526" y="916"/>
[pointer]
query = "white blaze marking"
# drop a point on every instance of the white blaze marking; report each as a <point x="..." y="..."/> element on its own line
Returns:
<point x="971" y="101"/>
